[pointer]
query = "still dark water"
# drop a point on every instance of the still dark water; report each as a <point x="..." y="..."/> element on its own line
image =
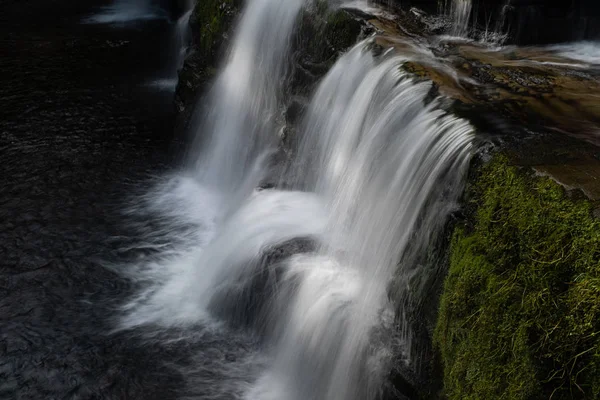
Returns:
<point x="80" y="131"/>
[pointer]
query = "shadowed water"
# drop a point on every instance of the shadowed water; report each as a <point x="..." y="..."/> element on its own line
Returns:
<point x="125" y="11"/>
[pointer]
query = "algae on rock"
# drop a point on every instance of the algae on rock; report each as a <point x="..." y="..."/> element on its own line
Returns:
<point x="209" y="22"/>
<point x="520" y="310"/>
<point x="212" y="18"/>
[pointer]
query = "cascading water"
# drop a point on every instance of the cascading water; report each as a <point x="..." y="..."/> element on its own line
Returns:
<point x="240" y="127"/>
<point x="379" y="156"/>
<point x="500" y="28"/>
<point x="236" y="135"/>
<point x="181" y="38"/>
<point x="460" y="14"/>
<point x="498" y="33"/>
<point x="378" y="161"/>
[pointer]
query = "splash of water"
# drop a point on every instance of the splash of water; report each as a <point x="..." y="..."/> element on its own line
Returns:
<point x="380" y="157"/>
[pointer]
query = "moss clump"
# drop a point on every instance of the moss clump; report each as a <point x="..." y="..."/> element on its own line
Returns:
<point x="213" y="18"/>
<point x="520" y="311"/>
<point x="341" y="30"/>
<point x="324" y="33"/>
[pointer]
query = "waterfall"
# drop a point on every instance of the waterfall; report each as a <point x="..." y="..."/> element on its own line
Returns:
<point x="460" y="13"/>
<point x="181" y="38"/>
<point x="377" y="171"/>
<point x="499" y="34"/>
<point x="380" y="158"/>
<point x="240" y="127"/>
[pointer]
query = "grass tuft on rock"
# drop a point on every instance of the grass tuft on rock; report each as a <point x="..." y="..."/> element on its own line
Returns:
<point x="520" y="311"/>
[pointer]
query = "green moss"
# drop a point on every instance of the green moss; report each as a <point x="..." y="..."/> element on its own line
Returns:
<point x="341" y="30"/>
<point x="520" y="311"/>
<point x="212" y="17"/>
<point x="325" y="33"/>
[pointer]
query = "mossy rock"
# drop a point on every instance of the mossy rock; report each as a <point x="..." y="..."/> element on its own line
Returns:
<point x="341" y="30"/>
<point x="210" y="21"/>
<point x="520" y="311"/>
<point x="324" y="34"/>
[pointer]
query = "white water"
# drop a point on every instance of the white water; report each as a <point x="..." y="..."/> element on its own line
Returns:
<point x="586" y="51"/>
<point x="460" y="13"/>
<point x="378" y="155"/>
<point x="241" y="126"/>
<point x="377" y="172"/>
<point x="123" y="11"/>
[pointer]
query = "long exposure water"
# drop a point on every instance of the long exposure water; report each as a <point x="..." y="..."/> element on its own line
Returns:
<point x="239" y="272"/>
<point x="376" y="160"/>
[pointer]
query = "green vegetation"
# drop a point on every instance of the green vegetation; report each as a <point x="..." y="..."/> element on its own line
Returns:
<point x="341" y="30"/>
<point x="325" y="33"/>
<point x="520" y="311"/>
<point x="213" y="18"/>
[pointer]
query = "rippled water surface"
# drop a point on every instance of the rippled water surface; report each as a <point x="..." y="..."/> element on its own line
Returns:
<point x="125" y="275"/>
<point x="76" y="138"/>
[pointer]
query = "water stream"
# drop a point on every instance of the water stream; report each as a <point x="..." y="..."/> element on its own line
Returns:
<point x="460" y="13"/>
<point x="378" y="161"/>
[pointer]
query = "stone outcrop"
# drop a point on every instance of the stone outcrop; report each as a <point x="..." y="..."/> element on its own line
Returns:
<point x="519" y="315"/>
<point x="540" y="110"/>
<point x="210" y="23"/>
<point x="527" y="21"/>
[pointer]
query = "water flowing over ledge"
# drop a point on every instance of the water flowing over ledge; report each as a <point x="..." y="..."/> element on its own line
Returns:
<point x="378" y="160"/>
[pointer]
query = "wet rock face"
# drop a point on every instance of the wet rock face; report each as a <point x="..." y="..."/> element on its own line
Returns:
<point x="210" y="22"/>
<point x="529" y="21"/>
<point x="535" y="22"/>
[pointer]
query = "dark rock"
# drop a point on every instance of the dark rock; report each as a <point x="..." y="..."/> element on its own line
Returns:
<point x="529" y="21"/>
<point x="210" y="23"/>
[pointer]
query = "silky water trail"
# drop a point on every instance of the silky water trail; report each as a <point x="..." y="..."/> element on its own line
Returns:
<point x="284" y="294"/>
<point x="126" y="11"/>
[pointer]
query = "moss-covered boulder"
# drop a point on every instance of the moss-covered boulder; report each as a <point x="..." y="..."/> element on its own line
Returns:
<point x="520" y="310"/>
<point x="210" y="22"/>
<point x="323" y="34"/>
